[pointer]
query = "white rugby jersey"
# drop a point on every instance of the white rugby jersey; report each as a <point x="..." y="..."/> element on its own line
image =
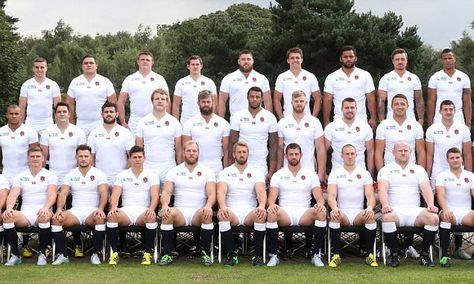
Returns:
<point x="303" y="133"/>
<point x="350" y="186"/>
<point x="14" y="147"/>
<point x="286" y="83"/>
<point x="136" y="190"/>
<point x="85" y="189"/>
<point x="457" y="191"/>
<point x="449" y="88"/>
<point x="90" y="96"/>
<point x="209" y="138"/>
<point x="139" y="90"/>
<point x="254" y="131"/>
<point x="159" y="137"/>
<point x="34" y="189"/>
<point x="341" y="134"/>
<point x="406" y="85"/>
<point x="4" y="184"/>
<point x="62" y="148"/>
<point x="356" y="86"/>
<point x="110" y="149"/>
<point x="190" y="187"/>
<point x="241" y="186"/>
<point x="188" y="89"/>
<point x="39" y="111"/>
<point x="294" y="191"/>
<point x="237" y="86"/>
<point x="403" y="184"/>
<point x="392" y="132"/>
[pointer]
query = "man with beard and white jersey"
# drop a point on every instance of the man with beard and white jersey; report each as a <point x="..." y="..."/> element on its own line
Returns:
<point x="4" y="188"/>
<point x="140" y="191"/>
<point x="304" y="129"/>
<point x="194" y="188"/>
<point x="37" y="187"/>
<point x="87" y="93"/>
<point x="235" y="86"/>
<point x="59" y="142"/>
<point x="349" y="81"/>
<point x="400" y="81"/>
<point x="38" y="96"/>
<point x="396" y="128"/>
<point x="15" y="139"/>
<point x="89" y="189"/>
<point x="210" y="131"/>
<point x="449" y="84"/>
<point x="110" y="143"/>
<point x="454" y="191"/>
<point x="138" y="87"/>
<point x="258" y="128"/>
<point x="160" y="134"/>
<point x="399" y="186"/>
<point x="293" y="185"/>
<point x="295" y="79"/>
<point x="239" y="186"/>
<point x="444" y="135"/>
<point x="350" y="130"/>
<point x="188" y="88"/>
<point x="347" y="188"/>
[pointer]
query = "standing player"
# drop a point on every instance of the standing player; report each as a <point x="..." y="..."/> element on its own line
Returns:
<point x="38" y="96"/>
<point x="350" y="130"/>
<point x="349" y="81"/>
<point x="236" y="85"/>
<point x="188" y="88"/>
<point x="210" y="131"/>
<point x="304" y="129"/>
<point x="347" y="188"/>
<point x="396" y="128"/>
<point x="400" y="81"/>
<point x="258" y="128"/>
<point x="194" y="188"/>
<point x="88" y="186"/>
<point x="449" y="84"/>
<point x="399" y="185"/>
<point x="138" y="86"/>
<point x="160" y="134"/>
<point x="239" y="186"/>
<point x="59" y="142"/>
<point x="110" y="143"/>
<point x="454" y="191"/>
<point x="293" y="186"/>
<point x="296" y="78"/>
<point x="37" y="187"/>
<point x="139" y="189"/>
<point x="87" y="93"/>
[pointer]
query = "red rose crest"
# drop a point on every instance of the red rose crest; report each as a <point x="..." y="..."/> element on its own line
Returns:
<point x="145" y="179"/>
<point x="466" y="180"/>
<point x="216" y="124"/>
<point x="456" y="131"/>
<point x="303" y="177"/>
<point x="152" y="79"/>
<point x="97" y="83"/>
<point x="358" y="176"/>
<point x="306" y="124"/>
<point x="262" y="119"/>
<point x="356" y="77"/>
<point x="167" y="123"/>
<point x="357" y="128"/>
<point x="249" y="175"/>
<point x="92" y="178"/>
<point x="254" y="79"/>
<point x="409" y="78"/>
<point x="203" y="83"/>
<point x="412" y="171"/>
<point x="116" y="134"/>
<point x="42" y="178"/>
<point x="409" y="127"/>
<point x="459" y="79"/>
<point x="304" y="78"/>
<point x="22" y="133"/>
<point x="48" y="87"/>
<point x="199" y="174"/>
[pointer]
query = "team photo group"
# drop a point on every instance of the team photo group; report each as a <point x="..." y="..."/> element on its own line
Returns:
<point x="348" y="155"/>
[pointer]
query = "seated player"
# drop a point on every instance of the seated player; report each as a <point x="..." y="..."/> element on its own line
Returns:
<point x="239" y="186"/>
<point x="194" y="189"/>
<point x="454" y="190"/>
<point x="293" y="186"/>
<point x="89" y="188"/>
<point x="37" y="187"/>
<point x="347" y="187"/>
<point x="140" y="190"/>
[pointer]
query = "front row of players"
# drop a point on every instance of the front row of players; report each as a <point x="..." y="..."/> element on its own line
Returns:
<point x="241" y="196"/>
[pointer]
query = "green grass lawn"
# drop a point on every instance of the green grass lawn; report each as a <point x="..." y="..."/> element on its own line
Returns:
<point x="186" y="271"/>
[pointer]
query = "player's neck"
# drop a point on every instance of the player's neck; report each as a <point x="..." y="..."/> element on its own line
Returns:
<point x="14" y="127"/>
<point x="298" y="115"/>
<point x="447" y="123"/>
<point x="190" y="167"/>
<point x="207" y="117"/>
<point x="40" y="79"/>
<point x="400" y="72"/>
<point x="159" y="113"/>
<point x="457" y="172"/>
<point x="89" y="76"/>
<point x="109" y="126"/>
<point x="349" y="168"/>
<point x="294" y="169"/>
<point x="241" y="167"/>
<point x="348" y="121"/>
<point x="254" y="111"/>
<point x="137" y="170"/>
<point x="400" y="119"/>
<point x="348" y="71"/>
<point x="62" y="125"/>
<point x="449" y="71"/>
<point x="296" y="70"/>
<point x="403" y="165"/>
<point x="144" y="72"/>
<point x="195" y="76"/>
<point x="35" y="170"/>
<point x="84" y="170"/>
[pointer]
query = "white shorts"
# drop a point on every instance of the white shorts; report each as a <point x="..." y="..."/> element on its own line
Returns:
<point x="459" y="213"/>
<point x="351" y="214"/>
<point x="188" y="214"/>
<point x="133" y="212"/>
<point x="241" y="213"/>
<point x="407" y="216"/>
<point x="295" y="214"/>
<point x="31" y="214"/>
<point x="81" y="213"/>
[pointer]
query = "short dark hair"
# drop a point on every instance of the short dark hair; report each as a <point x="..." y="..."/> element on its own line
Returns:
<point x="254" y="89"/>
<point x="447" y="103"/>
<point x="453" y="150"/>
<point x="245" y="51"/>
<point x="160" y="91"/>
<point x="61" y="104"/>
<point x="109" y="104"/>
<point x="193" y="57"/>
<point x="347" y="48"/>
<point x="293" y="146"/>
<point x="399" y="96"/>
<point x="398" y="51"/>
<point x="40" y="59"/>
<point x="446" y="50"/>
<point x="136" y="149"/>
<point x="83" y="147"/>
<point x="145" y="52"/>
<point x="348" y="100"/>
<point x="87" y="56"/>
<point x="204" y="94"/>
<point x="294" y="50"/>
